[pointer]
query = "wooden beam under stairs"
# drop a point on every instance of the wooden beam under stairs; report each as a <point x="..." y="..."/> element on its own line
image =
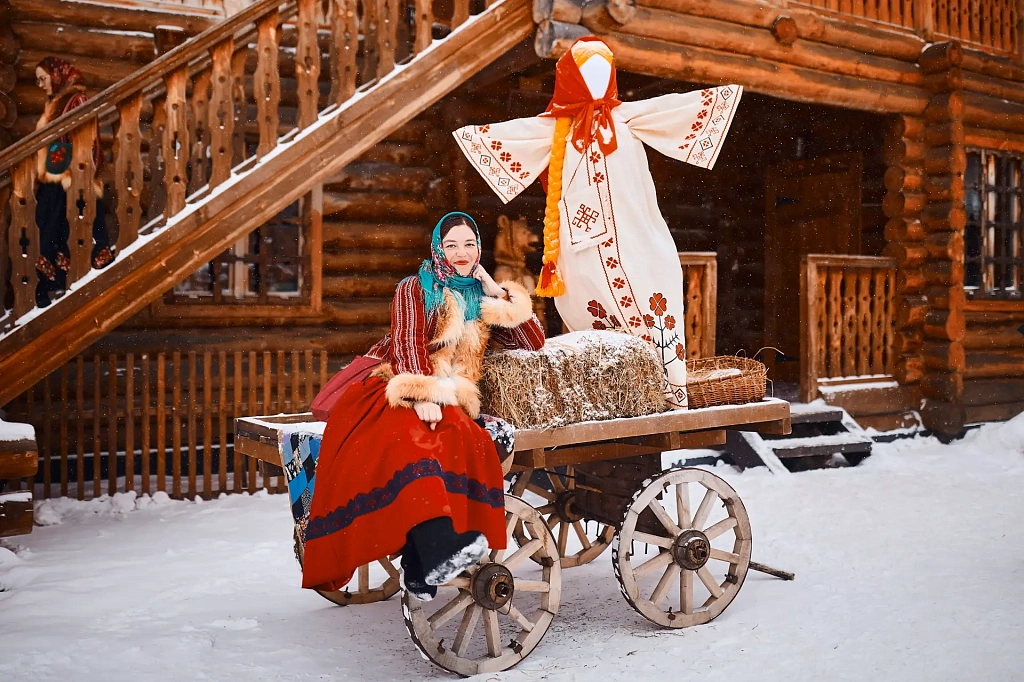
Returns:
<point x="251" y="196"/>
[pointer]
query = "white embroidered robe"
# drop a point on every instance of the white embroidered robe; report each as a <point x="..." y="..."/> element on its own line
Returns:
<point x="617" y="259"/>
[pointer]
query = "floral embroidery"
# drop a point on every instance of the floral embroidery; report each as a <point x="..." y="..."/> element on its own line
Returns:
<point x="496" y="145"/>
<point x="484" y="128"/>
<point x="611" y="262"/>
<point x="626" y="301"/>
<point x="681" y="352"/>
<point x="649" y="320"/>
<point x="670" y="322"/>
<point x="595" y="156"/>
<point x="618" y="283"/>
<point x="658" y="304"/>
<point x="635" y="321"/>
<point x="516" y="166"/>
<point x="608" y="244"/>
<point x="46" y="268"/>
<point x="596" y="309"/>
<point x="598" y="178"/>
<point x="505" y="157"/>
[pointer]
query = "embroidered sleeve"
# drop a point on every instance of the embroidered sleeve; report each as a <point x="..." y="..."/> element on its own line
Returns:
<point x="527" y="336"/>
<point x="508" y="155"/>
<point x="409" y="336"/>
<point x="688" y="126"/>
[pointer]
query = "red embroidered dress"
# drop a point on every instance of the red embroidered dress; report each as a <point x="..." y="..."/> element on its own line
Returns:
<point x="381" y="470"/>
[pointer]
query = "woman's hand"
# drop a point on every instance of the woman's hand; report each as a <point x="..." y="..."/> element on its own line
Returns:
<point x="430" y="413"/>
<point x="491" y="288"/>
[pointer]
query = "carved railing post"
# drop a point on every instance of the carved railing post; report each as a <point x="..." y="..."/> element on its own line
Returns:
<point x="944" y="220"/>
<point x="128" y="171"/>
<point x="23" y="230"/>
<point x="267" y="83"/>
<point x="221" y="124"/>
<point x="175" y="142"/>
<point x="307" y="63"/>
<point x="344" y="46"/>
<point x="81" y="201"/>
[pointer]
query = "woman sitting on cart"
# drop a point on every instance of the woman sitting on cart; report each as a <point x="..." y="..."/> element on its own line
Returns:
<point x="403" y="467"/>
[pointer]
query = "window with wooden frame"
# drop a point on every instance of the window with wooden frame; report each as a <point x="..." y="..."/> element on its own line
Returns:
<point x="994" y="235"/>
<point x="275" y="269"/>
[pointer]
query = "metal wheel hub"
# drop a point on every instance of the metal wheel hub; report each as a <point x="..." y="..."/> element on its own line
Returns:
<point x="691" y="550"/>
<point x="493" y="586"/>
<point x="565" y="507"/>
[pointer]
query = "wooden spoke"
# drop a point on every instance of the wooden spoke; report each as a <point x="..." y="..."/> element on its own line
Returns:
<point x="469" y="620"/>
<point x="665" y="519"/>
<point x="492" y="632"/>
<point x="389" y="567"/>
<point x="459" y="582"/>
<point x="578" y="527"/>
<point x="532" y="586"/>
<point x="686" y="592"/>
<point x="665" y="584"/>
<point x="592" y="544"/>
<point x="663" y="559"/>
<point x="721" y="527"/>
<point x="533" y="605"/>
<point x="656" y="540"/>
<point x="704" y="510"/>
<point x="451" y="609"/>
<point x="526" y="550"/>
<point x="728" y="557"/>
<point x="563" y="537"/>
<point x="683" y="505"/>
<point x="655" y="576"/>
<point x="364" y="579"/>
<point x="521" y="620"/>
<point x="709" y="582"/>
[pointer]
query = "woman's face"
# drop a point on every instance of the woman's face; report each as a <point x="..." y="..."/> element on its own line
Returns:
<point x="460" y="249"/>
<point x="44" y="81"/>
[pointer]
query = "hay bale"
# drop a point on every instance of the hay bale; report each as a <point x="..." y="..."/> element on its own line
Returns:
<point x="577" y="377"/>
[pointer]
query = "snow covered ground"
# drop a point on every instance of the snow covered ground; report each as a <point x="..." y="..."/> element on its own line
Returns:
<point x="909" y="567"/>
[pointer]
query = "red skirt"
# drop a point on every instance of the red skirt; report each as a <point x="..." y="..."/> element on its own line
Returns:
<point x="381" y="471"/>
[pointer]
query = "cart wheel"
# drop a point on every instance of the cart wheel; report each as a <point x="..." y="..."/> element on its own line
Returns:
<point x="713" y="544"/>
<point x="367" y="588"/>
<point x="562" y="517"/>
<point x="515" y="599"/>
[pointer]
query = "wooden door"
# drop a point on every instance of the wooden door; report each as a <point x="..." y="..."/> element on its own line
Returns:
<point x="812" y="206"/>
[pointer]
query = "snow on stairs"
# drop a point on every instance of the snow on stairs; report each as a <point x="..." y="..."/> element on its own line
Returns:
<point x="820" y="433"/>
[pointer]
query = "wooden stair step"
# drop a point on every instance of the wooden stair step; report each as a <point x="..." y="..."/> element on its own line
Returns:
<point x="372" y="260"/>
<point x="361" y="286"/>
<point x="803" y="413"/>
<point x="820" y="445"/>
<point x="368" y="206"/>
<point x="347" y="234"/>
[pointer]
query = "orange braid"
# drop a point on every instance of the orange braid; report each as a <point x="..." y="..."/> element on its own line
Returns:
<point x="551" y="284"/>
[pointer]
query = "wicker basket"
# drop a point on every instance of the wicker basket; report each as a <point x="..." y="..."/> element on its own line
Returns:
<point x="707" y="387"/>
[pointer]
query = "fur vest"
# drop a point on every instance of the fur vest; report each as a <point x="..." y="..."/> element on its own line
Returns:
<point x="457" y="350"/>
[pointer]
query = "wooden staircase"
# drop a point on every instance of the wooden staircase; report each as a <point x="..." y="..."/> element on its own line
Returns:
<point x="186" y="184"/>
<point x="819" y="433"/>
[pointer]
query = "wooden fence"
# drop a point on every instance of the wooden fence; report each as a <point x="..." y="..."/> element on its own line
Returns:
<point x="847" y="320"/>
<point x="991" y="25"/>
<point x="107" y="424"/>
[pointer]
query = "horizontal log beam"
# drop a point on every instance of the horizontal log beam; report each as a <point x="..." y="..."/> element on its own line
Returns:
<point x="701" y="65"/>
<point x="86" y="42"/>
<point x="98" y="15"/>
<point x="758" y="42"/>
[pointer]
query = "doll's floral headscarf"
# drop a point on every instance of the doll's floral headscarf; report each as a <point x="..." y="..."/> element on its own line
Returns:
<point x="437" y="274"/>
<point x="62" y="74"/>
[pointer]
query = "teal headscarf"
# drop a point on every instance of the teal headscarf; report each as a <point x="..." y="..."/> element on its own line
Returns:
<point x="437" y="274"/>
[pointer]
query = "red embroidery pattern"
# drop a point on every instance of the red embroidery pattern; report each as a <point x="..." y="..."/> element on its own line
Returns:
<point x="611" y="262"/>
<point x="585" y="218"/>
<point x="619" y="283"/>
<point x="627" y="302"/>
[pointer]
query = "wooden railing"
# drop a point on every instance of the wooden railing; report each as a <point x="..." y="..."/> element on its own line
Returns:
<point x="847" y="320"/>
<point x="700" y="295"/>
<point x="160" y="421"/>
<point x="182" y="125"/>
<point x="990" y="25"/>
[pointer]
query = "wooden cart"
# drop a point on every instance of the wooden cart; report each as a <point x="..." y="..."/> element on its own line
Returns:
<point x="680" y="537"/>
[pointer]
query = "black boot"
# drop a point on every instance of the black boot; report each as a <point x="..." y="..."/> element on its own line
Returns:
<point x="443" y="553"/>
<point x="42" y="294"/>
<point x="412" y="576"/>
